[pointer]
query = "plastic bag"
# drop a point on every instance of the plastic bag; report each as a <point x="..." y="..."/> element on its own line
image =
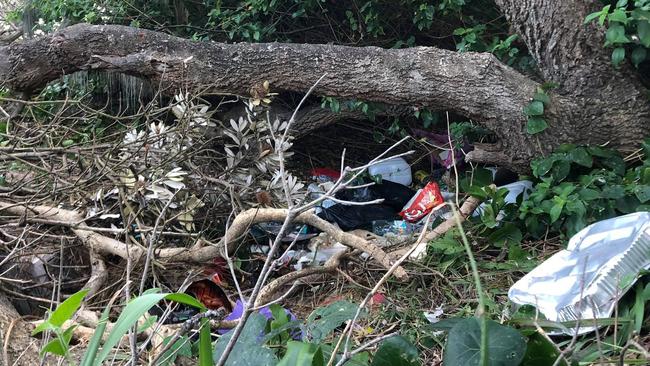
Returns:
<point x="356" y="217"/>
<point x="394" y="194"/>
<point x="422" y="203"/>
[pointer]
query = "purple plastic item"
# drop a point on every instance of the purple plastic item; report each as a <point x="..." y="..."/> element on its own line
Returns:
<point x="238" y="310"/>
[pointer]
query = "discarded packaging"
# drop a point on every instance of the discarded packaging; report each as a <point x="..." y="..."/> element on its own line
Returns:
<point x="315" y="191"/>
<point x="325" y="175"/>
<point x="585" y="281"/>
<point x="357" y="216"/>
<point x="397" y="227"/>
<point x="349" y="217"/>
<point x="238" y="311"/>
<point x="395" y="170"/>
<point x="319" y="256"/>
<point x="422" y="203"/>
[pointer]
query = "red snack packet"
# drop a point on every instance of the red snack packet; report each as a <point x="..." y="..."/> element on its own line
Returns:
<point x="422" y="203"/>
<point x="325" y="174"/>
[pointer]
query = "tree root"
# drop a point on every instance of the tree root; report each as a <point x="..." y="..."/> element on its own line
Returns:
<point x="103" y="245"/>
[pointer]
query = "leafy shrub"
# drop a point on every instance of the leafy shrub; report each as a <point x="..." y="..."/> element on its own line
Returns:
<point x="628" y="29"/>
<point x="582" y="185"/>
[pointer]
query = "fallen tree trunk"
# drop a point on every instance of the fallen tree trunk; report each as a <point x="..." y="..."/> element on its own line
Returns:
<point x="476" y="85"/>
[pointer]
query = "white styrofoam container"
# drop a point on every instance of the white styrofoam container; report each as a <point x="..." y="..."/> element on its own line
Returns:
<point x="586" y="280"/>
<point x="395" y="170"/>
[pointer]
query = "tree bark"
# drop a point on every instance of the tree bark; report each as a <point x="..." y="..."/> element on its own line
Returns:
<point x="594" y="104"/>
<point x="603" y="104"/>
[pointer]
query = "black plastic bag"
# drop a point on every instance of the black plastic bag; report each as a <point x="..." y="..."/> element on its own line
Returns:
<point x="395" y="195"/>
<point x="350" y="217"/>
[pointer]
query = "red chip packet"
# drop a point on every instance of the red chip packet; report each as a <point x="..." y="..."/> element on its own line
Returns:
<point x="325" y="174"/>
<point x="422" y="203"/>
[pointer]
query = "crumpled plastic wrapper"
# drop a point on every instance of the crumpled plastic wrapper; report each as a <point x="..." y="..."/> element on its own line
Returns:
<point x="585" y="281"/>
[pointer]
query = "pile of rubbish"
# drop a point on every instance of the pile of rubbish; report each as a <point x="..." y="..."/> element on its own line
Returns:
<point x="382" y="203"/>
<point x="390" y="202"/>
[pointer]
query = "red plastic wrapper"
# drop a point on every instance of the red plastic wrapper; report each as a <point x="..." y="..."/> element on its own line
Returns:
<point x="325" y="174"/>
<point x="422" y="203"/>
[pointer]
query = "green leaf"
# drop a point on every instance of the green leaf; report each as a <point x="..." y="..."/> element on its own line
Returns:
<point x="600" y="152"/>
<point x="508" y="234"/>
<point x="478" y="192"/>
<point x="396" y="351"/>
<point x="133" y="311"/>
<point x="516" y="253"/>
<point x="93" y="345"/>
<point x="280" y="316"/>
<point x="540" y="351"/>
<point x="603" y="14"/>
<point x="542" y="97"/>
<point x="618" y="15"/>
<point x="645" y="174"/>
<point x="489" y="217"/>
<point x="534" y="108"/>
<point x="536" y="125"/>
<point x="280" y="319"/>
<point x="446" y="324"/>
<point x="560" y="170"/>
<point x="639" y="14"/>
<point x="182" y="347"/>
<point x="592" y="16"/>
<point x="618" y="55"/>
<point x="248" y="350"/>
<point x="482" y="177"/>
<point x="66" y="143"/>
<point x="556" y="211"/>
<point x="613" y="192"/>
<point x="542" y="166"/>
<point x="205" y="343"/>
<point x="63" y="312"/>
<point x="642" y="192"/>
<point x="302" y="354"/>
<point x="321" y="322"/>
<point x="59" y="345"/>
<point x="639" y="55"/>
<point x="580" y="156"/>
<point x="615" y="35"/>
<point x="643" y="29"/>
<point x="186" y="299"/>
<point x="335" y="105"/>
<point x="54" y="347"/>
<point x="506" y="346"/>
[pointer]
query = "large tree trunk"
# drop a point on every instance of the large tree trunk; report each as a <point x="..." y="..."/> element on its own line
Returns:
<point x="594" y="104"/>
